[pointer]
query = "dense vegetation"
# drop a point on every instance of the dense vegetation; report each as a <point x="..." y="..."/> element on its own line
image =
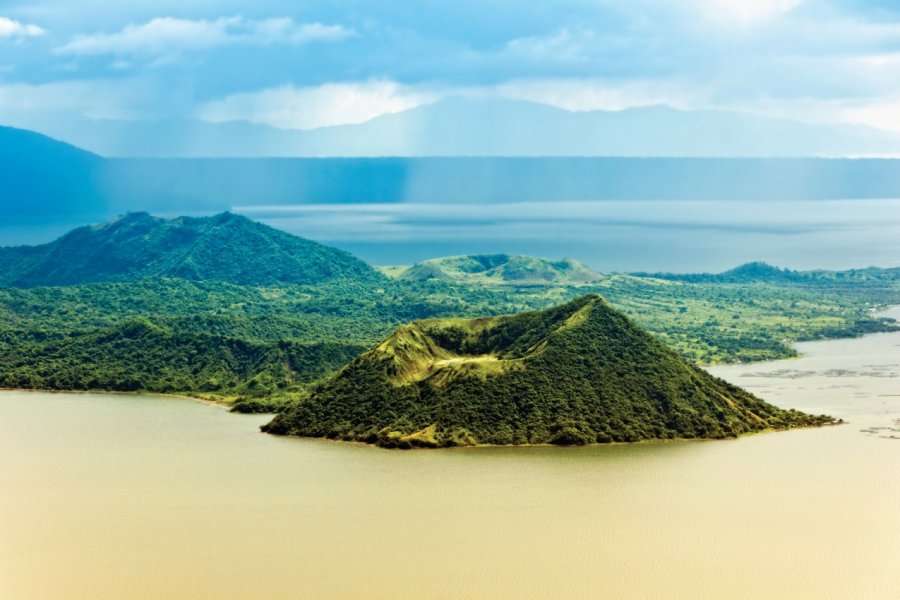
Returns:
<point x="575" y="374"/>
<point x="708" y="323"/>
<point x="140" y="356"/>
<point x="225" y="247"/>
<point x="50" y="336"/>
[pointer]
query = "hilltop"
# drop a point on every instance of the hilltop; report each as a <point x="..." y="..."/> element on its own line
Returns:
<point x="224" y="247"/>
<point x="499" y="269"/>
<point x="574" y="374"/>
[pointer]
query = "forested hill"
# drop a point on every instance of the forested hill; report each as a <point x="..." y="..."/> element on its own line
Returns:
<point x="139" y="355"/>
<point x="225" y="247"/>
<point x="574" y="374"/>
<point x="499" y="269"/>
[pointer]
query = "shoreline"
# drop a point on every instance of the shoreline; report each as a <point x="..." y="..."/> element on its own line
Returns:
<point x="837" y="422"/>
<point x="226" y="406"/>
<point x="877" y="312"/>
<point x="223" y="405"/>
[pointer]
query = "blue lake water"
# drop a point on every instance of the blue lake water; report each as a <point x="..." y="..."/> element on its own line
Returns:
<point x="634" y="235"/>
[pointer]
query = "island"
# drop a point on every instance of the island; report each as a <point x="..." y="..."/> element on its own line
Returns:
<point x="579" y="373"/>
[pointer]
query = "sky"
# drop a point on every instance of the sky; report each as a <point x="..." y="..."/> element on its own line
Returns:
<point x="303" y="65"/>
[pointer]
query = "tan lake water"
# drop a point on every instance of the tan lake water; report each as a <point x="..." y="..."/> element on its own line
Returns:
<point x="114" y="497"/>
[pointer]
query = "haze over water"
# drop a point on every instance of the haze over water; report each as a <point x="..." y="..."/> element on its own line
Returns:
<point x="684" y="236"/>
<point x="113" y="496"/>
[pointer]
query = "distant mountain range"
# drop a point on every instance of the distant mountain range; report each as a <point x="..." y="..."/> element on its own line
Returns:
<point x="226" y="247"/>
<point x="475" y="127"/>
<point x="579" y="373"/>
<point x="760" y="272"/>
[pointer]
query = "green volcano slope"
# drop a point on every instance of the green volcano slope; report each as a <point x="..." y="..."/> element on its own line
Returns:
<point x="576" y="374"/>
<point x="224" y="247"/>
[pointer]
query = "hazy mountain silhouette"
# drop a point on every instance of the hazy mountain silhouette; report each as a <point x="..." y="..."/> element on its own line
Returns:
<point x="476" y="127"/>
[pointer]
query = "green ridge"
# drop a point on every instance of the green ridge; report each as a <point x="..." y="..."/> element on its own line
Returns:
<point x="225" y="247"/>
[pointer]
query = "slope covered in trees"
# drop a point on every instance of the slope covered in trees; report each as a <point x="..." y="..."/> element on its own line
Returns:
<point x="141" y="356"/>
<point x="575" y="374"/>
<point x="225" y="247"/>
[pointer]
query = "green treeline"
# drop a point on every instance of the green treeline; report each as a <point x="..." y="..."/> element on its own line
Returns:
<point x="140" y="356"/>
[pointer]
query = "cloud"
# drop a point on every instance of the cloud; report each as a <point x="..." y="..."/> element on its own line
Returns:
<point x="816" y="60"/>
<point x="561" y="45"/>
<point x="746" y="12"/>
<point x="591" y="93"/>
<point x="170" y="36"/>
<point x="10" y="29"/>
<point x="883" y="114"/>
<point x="290" y="107"/>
